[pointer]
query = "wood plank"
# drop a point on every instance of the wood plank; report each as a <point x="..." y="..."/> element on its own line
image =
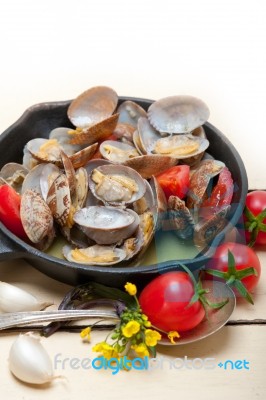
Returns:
<point x="167" y="378"/>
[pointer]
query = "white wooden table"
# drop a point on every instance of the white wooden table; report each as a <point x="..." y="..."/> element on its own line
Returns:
<point x="54" y="50"/>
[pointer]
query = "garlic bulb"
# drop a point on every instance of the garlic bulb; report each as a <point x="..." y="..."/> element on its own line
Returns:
<point x="13" y="299"/>
<point x="29" y="361"/>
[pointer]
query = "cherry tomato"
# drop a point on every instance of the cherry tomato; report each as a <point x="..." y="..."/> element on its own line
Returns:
<point x="255" y="217"/>
<point x="10" y="211"/>
<point x="237" y="271"/>
<point x="175" y="181"/>
<point x="165" y="301"/>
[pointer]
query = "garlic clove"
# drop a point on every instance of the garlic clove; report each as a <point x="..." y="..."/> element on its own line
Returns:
<point x="29" y="361"/>
<point x="14" y="299"/>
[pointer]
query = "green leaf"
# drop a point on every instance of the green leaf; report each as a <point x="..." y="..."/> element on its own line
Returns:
<point x="243" y="273"/>
<point x="218" y="274"/>
<point x="231" y="264"/>
<point x="152" y="350"/>
<point x="243" y="291"/>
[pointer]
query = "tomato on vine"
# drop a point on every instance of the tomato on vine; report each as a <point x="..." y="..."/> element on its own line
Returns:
<point x="255" y="217"/>
<point x="175" y="301"/>
<point x="238" y="265"/>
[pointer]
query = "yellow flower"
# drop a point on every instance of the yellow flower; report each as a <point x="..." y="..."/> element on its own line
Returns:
<point x="172" y="335"/>
<point x="130" y="329"/>
<point x="140" y="349"/>
<point x="106" y="350"/>
<point x="152" y="337"/>
<point x="131" y="288"/>
<point x="85" y="333"/>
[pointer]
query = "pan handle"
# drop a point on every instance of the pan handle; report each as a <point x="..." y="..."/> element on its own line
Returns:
<point x="8" y="249"/>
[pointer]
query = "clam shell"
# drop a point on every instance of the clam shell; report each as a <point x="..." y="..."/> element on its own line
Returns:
<point x="97" y="251"/>
<point x="82" y="157"/>
<point x="180" y="146"/>
<point x="117" y="152"/>
<point x="130" y="112"/>
<point x="180" y="219"/>
<point x="14" y="174"/>
<point x="36" y="216"/>
<point x="58" y="200"/>
<point x="109" y="196"/>
<point x="98" y="132"/>
<point x="107" y="225"/>
<point x="200" y="179"/>
<point x="32" y="180"/>
<point x="48" y="175"/>
<point x="92" y="106"/>
<point x="147" y="135"/>
<point x="152" y="164"/>
<point x="52" y="155"/>
<point x="124" y="132"/>
<point x="63" y="137"/>
<point x="178" y="114"/>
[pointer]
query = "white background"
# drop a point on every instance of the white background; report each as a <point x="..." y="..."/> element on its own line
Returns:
<point x="212" y="49"/>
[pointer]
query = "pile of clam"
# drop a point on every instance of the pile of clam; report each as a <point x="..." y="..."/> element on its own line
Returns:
<point x="96" y="184"/>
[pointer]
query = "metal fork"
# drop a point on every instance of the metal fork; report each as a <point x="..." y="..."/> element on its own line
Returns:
<point x="11" y="320"/>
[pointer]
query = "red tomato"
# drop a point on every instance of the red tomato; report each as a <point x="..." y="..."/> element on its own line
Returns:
<point x="255" y="217"/>
<point x="175" y="181"/>
<point x="244" y="258"/>
<point x="10" y="210"/>
<point x="165" y="299"/>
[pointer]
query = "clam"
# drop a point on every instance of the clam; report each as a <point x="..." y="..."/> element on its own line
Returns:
<point x="36" y="217"/>
<point x="178" y="114"/>
<point x="98" y="132"/>
<point x="92" y="106"/>
<point x="200" y="179"/>
<point x="116" y="184"/>
<point x="180" y="219"/>
<point x="146" y="202"/>
<point x="94" y="255"/>
<point x="130" y="112"/>
<point x="147" y="135"/>
<point x="45" y="150"/>
<point x="180" y="146"/>
<point x="14" y="174"/>
<point x="160" y="203"/>
<point x="82" y="186"/>
<point x="124" y="132"/>
<point x="107" y="225"/>
<point x="63" y="137"/>
<point x="59" y="202"/>
<point x="32" y="180"/>
<point x="152" y="164"/>
<point x="117" y="152"/>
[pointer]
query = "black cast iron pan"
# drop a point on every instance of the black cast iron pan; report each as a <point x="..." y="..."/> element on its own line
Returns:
<point x="38" y="121"/>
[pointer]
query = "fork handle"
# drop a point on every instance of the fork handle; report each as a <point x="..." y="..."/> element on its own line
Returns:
<point x="11" y="320"/>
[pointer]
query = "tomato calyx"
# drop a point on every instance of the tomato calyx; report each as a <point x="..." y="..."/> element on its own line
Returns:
<point x="254" y="224"/>
<point x="233" y="277"/>
<point x="200" y="294"/>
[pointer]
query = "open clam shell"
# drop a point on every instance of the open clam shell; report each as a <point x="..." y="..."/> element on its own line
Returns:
<point x="178" y="114"/>
<point x="130" y="112"/>
<point x="107" y="225"/>
<point x="180" y="146"/>
<point x="117" y="152"/>
<point x="14" y="174"/>
<point x="92" y="106"/>
<point x="95" y="255"/>
<point x="116" y="184"/>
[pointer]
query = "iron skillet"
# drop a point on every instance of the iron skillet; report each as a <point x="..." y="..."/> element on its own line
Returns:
<point x="38" y="121"/>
